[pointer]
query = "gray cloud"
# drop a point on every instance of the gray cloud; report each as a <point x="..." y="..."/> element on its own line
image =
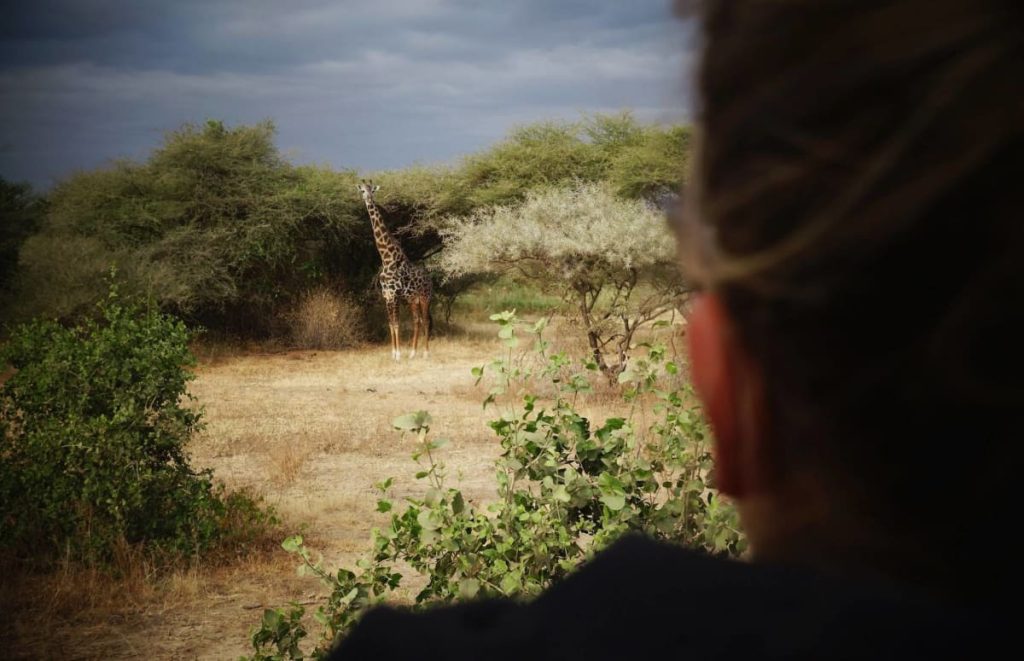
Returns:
<point x="363" y="85"/>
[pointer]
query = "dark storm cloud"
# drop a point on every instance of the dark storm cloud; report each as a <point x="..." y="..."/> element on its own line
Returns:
<point x="366" y="85"/>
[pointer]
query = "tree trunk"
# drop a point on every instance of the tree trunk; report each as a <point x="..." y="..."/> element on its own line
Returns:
<point x="593" y="339"/>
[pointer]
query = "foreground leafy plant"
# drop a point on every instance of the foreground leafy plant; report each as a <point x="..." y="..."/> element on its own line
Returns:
<point x="566" y="489"/>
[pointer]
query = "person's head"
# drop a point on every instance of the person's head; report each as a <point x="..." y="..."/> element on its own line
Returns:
<point x="855" y="219"/>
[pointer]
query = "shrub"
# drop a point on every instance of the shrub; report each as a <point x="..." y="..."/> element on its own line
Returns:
<point x="652" y="165"/>
<point x="92" y="442"/>
<point x="324" y="319"/>
<point x="215" y="226"/>
<point x="533" y="156"/>
<point x="612" y="259"/>
<point x="567" y="487"/>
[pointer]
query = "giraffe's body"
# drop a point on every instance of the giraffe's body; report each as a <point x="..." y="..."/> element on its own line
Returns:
<point x="405" y="280"/>
<point x="400" y="280"/>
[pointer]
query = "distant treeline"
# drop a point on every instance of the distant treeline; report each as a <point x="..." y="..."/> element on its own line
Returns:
<point x="219" y="229"/>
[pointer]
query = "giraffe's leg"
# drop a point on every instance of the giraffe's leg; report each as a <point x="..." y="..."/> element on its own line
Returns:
<point x="392" y="306"/>
<point x="415" y="308"/>
<point x="425" y="316"/>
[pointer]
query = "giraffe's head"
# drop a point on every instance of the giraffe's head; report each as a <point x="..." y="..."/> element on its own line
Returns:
<point x="367" y="189"/>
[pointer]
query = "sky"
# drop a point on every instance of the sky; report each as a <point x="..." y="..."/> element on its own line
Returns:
<point x="369" y="85"/>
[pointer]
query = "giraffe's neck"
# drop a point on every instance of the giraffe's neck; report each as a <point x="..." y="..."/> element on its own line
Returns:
<point x="388" y="247"/>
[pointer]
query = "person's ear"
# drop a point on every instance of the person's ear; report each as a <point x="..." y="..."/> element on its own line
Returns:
<point x="730" y="391"/>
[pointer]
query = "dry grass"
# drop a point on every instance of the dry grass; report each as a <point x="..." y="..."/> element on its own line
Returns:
<point x="311" y="432"/>
<point x="285" y="461"/>
<point x="82" y="613"/>
<point x="324" y="319"/>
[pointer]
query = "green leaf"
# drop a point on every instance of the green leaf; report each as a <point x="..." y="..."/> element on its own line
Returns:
<point x="292" y="544"/>
<point x="510" y="583"/>
<point x="560" y="494"/>
<point x="428" y="521"/>
<point x="271" y="619"/>
<point x="468" y="587"/>
<point x="412" y="421"/>
<point x="614" y="502"/>
<point x="610" y="484"/>
<point x="383" y="505"/>
<point x="505" y="316"/>
<point x="432" y="497"/>
<point x="428" y="537"/>
<point x="506" y="332"/>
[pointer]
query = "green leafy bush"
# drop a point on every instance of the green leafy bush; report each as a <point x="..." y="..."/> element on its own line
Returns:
<point x="651" y="165"/>
<point x="215" y="226"/>
<point x="567" y="487"/>
<point x="92" y="442"/>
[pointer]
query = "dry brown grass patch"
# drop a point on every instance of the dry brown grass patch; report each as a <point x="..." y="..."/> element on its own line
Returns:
<point x="324" y="319"/>
<point x="285" y="461"/>
<point x="134" y="611"/>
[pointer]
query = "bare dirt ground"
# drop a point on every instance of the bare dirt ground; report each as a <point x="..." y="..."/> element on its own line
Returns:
<point x="310" y="432"/>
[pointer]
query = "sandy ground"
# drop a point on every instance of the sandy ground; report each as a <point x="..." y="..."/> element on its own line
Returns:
<point x="310" y="432"/>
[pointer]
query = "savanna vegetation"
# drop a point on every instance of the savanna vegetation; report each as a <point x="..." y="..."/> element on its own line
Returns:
<point x="217" y="228"/>
<point x="565" y="487"/>
<point x="115" y="279"/>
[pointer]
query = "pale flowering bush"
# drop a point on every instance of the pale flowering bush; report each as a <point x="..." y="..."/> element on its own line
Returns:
<point x="613" y="260"/>
<point x="567" y="231"/>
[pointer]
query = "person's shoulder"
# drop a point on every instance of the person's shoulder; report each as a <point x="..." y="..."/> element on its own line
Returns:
<point x="498" y="629"/>
<point x="640" y="597"/>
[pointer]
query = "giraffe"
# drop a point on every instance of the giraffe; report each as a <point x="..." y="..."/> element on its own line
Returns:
<point x="399" y="279"/>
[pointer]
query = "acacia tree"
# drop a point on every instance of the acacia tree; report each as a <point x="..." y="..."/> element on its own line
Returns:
<point x="215" y="226"/>
<point x="612" y="260"/>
